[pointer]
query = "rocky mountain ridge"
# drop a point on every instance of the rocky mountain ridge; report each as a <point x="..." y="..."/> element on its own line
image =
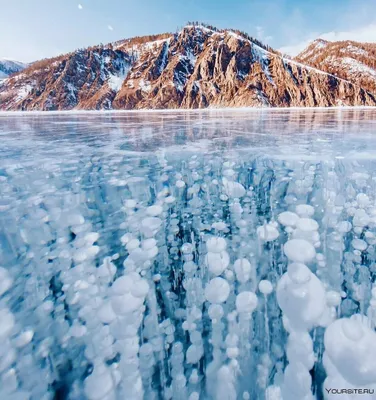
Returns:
<point x="9" y="67"/>
<point x="353" y="61"/>
<point x="198" y="67"/>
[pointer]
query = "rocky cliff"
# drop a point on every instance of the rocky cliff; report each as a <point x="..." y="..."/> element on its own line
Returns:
<point x="349" y="60"/>
<point x="197" y="67"/>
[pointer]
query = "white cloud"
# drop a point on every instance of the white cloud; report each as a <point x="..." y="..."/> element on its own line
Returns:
<point x="260" y="35"/>
<point x="363" y="34"/>
<point x="110" y="28"/>
<point x="80" y="7"/>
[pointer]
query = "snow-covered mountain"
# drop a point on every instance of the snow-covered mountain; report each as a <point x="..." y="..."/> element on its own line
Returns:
<point x="353" y="61"/>
<point x="9" y="67"/>
<point x="197" y="67"/>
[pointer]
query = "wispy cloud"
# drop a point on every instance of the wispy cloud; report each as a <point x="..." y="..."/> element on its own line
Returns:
<point x="260" y="35"/>
<point x="80" y="7"/>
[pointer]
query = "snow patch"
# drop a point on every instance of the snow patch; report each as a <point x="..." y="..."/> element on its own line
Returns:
<point x="357" y="67"/>
<point x="145" y="85"/>
<point x="23" y="92"/>
<point x="115" y="82"/>
<point x="355" y="50"/>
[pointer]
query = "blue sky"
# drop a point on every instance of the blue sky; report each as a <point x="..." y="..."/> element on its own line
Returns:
<point x="34" y="29"/>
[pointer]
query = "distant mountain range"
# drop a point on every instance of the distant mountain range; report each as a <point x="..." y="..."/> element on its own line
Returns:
<point x="198" y="67"/>
<point x="9" y="67"/>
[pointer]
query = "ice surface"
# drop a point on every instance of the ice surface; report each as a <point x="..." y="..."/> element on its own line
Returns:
<point x="188" y="255"/>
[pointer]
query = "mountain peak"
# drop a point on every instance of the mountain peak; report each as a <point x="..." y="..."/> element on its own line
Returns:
<point x="353" y="61"/>
<point x="197" y="67"/>
<point x="320" y="42"/>
<point x="9" y="67"/>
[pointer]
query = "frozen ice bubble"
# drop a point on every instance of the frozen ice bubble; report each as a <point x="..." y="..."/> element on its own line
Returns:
<point x="288" y="218"/>
<point x="130" y="203"/>
<point x="105" y="313"/>
<point x="148" y="244"/>
<point x="217" y="262"/>
<point x="229" y="275"/>
<point x="216" y="244"/>
<point x="304" y="210"/>
<point x="85" y="253"/>
<point x="265" y="287"/>
<point x="344" y="227"/>
<point x="362" y="200"/>
<point x="77" y="330"/>
<point x="219" y="226"/>
<point x="215" y="311"/>
<point x="122" y="285"/>
<point x="154" y="211"/>
<point x="267" y="232"/>
<point x="126" y="238"/>
<point x="350" y="345"/>
<point x="170" y="200"/>
<point x="187" y="248"/>
<point x="151" y="223"/>
<point x="301" y="296"/>
<point x="180" y="184"/>
<point x="243" y="270"/>
<point x="352" y="329"/>
<point x="217" y="291"/>
<point x="231" y="340"/>
<point x="359" y="244"/>
<point x="133" y="244"/>
<point x="91" y="238"/>
<point x="99" y="384"/>
<point x="273" y="392"/>
<point x="361" y="218"/>
<point x="246" y="302"/>
<point x="74" y="219"/>
<point x="194" y="354"/>
<point x="299" y="273"/>
<point x="232" y="352"/>
<point x="150" y="254"/>
<point x="24" y="338"/>
<point x="233" y="189"/>
<point x="333" y="298"/>
<point x="194" y="378"/>
<point x="229" y="173"/>
<point x="140" y="288"/>
<point x="307" y="225"/>
<point x="299" y="250"/>
<point x="127" y="303"/>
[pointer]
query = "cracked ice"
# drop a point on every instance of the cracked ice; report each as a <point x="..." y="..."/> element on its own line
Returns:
<point x="199" y="270"/>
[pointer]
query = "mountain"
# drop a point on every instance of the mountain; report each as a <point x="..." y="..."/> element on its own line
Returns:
<point x="198" y="67"/>
<point x="9" y="67"/>
<point x="353" y="61"/>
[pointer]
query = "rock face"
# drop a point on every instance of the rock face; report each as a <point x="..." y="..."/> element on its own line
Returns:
<point x="195" y="68"/>
<point x="352" y="61"/>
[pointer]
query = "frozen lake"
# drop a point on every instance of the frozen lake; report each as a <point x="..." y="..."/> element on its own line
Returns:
<point x="188" y="255"/>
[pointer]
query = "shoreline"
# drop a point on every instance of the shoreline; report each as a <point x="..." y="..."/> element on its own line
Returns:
<point x="184" y="110"/>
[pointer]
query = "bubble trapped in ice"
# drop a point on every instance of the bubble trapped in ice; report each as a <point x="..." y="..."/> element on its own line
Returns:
<point x="181" y="267"/>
